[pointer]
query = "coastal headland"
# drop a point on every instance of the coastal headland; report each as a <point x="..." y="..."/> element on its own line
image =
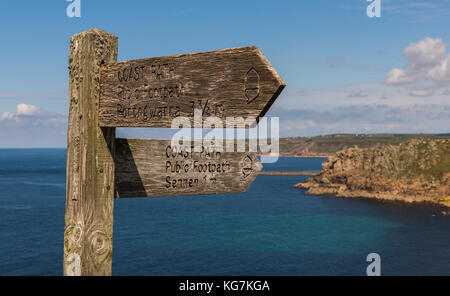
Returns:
<point x="328" y="145"/>
<point x="417" y="170"/>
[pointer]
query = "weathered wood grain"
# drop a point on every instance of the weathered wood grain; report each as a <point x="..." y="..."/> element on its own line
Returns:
<point x="224" y="83"/>
<point x="90" y="161"/>
<point x="148" y="168"/>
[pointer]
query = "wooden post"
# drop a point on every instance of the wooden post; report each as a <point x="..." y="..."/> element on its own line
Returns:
<point x="90" y="160"/>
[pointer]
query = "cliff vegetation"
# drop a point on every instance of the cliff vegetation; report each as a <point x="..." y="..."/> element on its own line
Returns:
<point x="417" y="170"/>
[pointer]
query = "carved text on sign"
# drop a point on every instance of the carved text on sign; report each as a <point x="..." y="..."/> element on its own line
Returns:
<point x="156" y="168"/>
<point x="237" y="82"/>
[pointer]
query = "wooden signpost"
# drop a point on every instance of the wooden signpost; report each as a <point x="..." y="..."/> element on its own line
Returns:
<point x="105" y="94"/>
<point x="154" y="168"/>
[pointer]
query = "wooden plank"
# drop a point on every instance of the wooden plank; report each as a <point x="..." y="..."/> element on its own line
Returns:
<point x="90" y="163"/>
<point x="148" y="168"/>
<point x="224" y="83"/>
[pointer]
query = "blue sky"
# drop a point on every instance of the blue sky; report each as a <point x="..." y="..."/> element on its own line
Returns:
<point x="345" y="72"/>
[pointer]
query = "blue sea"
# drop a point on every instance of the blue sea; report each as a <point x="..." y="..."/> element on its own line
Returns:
<point x="273" y="229"/>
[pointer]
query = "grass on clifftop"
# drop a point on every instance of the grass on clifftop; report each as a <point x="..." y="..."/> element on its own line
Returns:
<point x="330" y="144"/>
<point x="432" y="160"/>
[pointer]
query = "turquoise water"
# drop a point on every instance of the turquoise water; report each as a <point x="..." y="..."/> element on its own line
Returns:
<point x="273" y="229"/>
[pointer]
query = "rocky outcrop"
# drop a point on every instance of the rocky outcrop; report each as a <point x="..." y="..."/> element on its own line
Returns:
<point x="414" y="171"/>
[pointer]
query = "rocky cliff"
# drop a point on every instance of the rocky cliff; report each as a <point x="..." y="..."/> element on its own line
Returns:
<point x="414" y="171"/>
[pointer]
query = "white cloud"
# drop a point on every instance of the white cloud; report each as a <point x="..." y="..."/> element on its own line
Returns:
<point x="425" y="61"/>
<point x="428" y="67"/>
<point x="386" y="108"/>
<point x="425" y="52"/>
<point x="399" y="76"/>
<point x="6" y="116"/>
<point x="413" y="98"/>
<point x="30" y="115"/>
<point x="370" y="118"/>
<point x="375" y="93"/>
<point x="423" y="90"/>
<point x="441" y="72"/>
<point x="32" y="126"/>
<point x="24" y="109"/>
<point x="356" y="94"/>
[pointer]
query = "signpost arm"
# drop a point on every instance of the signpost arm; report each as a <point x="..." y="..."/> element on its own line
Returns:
<point x="90" y="160"/>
